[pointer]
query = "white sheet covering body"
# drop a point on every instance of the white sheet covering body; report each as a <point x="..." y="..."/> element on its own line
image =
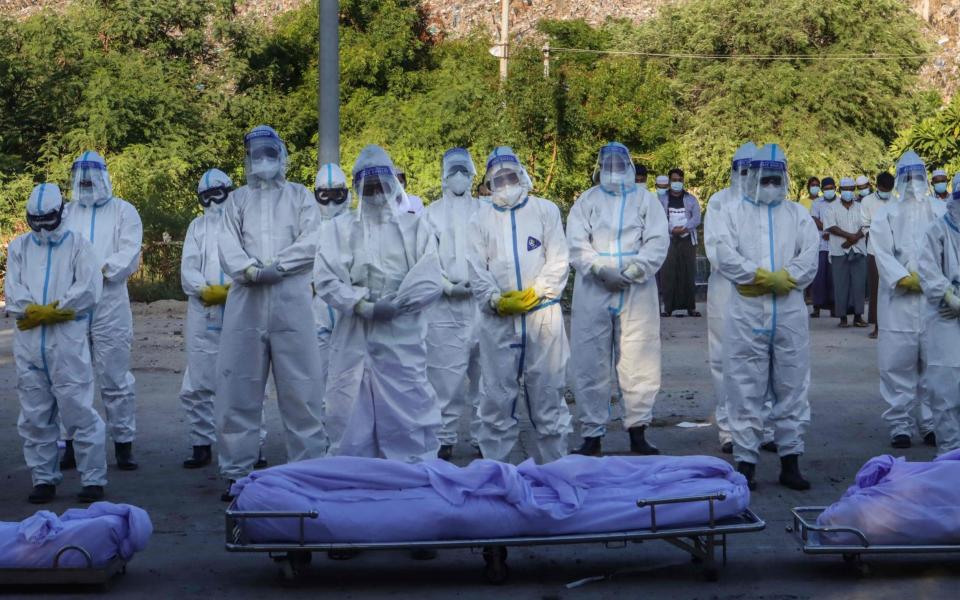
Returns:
<point x="374" y="500"/>
<point x="897" y="502"/>
<point x="105" y="530"/>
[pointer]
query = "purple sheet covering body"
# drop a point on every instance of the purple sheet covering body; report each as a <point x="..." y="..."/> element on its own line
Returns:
<point x="105" y="530"/>
<point x="376" y="500"/>
<point x="895" y="502"/>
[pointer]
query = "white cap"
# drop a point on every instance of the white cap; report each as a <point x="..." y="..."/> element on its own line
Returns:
<point x="938" y="173"/>
<point x="862" y="180"/>
<point x="846" y="182"/>
<point x="663" y="180"/>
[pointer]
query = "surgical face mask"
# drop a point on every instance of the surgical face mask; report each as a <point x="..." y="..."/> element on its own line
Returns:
<point x="883" y="195"/>
<point x="814" y="191"/>
<point x="846" y="195"/>
<point x="915" y="189"/>
<point x="829" y="195"/>
<point x="508" y="196"/>
<point x="770" y="194"/>
<point x="864" y="192"/>
<point x="87" y="192"/>
<point x="676" y="186"/>
<point x="265" y="168"/>
<point x="940" y="187"/>
<point x="661" y="191"/>
<point x="458" y="183"/>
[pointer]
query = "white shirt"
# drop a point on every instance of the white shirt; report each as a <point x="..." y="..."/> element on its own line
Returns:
<point x="847" y="219"/>
<point x="868" y="208"/>
<point x="819" y="208"/>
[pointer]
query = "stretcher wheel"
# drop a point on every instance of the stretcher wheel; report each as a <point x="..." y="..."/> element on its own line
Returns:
<point x="292" y="566"/>
<point x="496" y="570"/>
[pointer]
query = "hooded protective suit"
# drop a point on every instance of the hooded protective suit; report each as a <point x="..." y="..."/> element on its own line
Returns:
<point x="517" y="244"/>
<point x="114" y="229"/>
<point x="897" y="236"/>
<point x="267" y="247"/>
<point x="453" y="349"/>
<point x="333" y="199"/>
<point x="54" y="370"/>
<point x="378" y="268"/>
<point x="767" y="336"/>
<point x="939" y="269"/>
<point x="622" y="226"/>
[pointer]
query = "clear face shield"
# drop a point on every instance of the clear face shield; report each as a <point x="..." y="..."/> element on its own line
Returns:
<point x="912" y="182"/>
<point x="738" y="177"/>
<point x="266" y="156"/>
<point x="615" y="170"/>
<point x="767" y="182"/>
<point x="378" y="189"/>
<point x="506" y="180"/>
<point x="458" y="172"/>
<point x="953" y="202"/>
<point x="90" y="182"/>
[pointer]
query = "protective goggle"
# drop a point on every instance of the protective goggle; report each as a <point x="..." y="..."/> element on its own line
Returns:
<point x="768" y="180"/>
<point x="457" y="170"/>
<point x="504" y="178"/>
<point x="742" y="167"/>
<point x="48" y="221"/>
<point x="325" y="196"/>
<point x="260" y="152"/>
<point x="215" y="195"/>
<point x="85" y="183"/>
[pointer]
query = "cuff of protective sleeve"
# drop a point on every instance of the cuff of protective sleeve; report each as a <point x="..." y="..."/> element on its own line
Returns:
<point x="494" y="302"/>
<point x="447" y="286"/>
<point x="362" y="307"/>
<point x="634" y="272"/>
<point x="250" y="273"/>
<point x="595" y="268"/>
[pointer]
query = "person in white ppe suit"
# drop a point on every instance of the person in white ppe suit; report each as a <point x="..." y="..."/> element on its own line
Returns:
<point x="768" y="249"/>
<point x="453" y="349"/>
<point x="52" y="284"/>
<point x="114" y="228"/>
<point x="267" y="247"/>
<point x="333" y="199"/>
<point x="720" y="288"/>
<point x="897" y="235"/>
<point x="206" y="287"/>
<point x="379" y="270"/>
<point x="618" y="239"/>
<point x="939" y="270"/>
<point x="519" y="264"/>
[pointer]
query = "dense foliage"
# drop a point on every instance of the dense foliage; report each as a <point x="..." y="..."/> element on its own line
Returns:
<point x="166" y="89"/>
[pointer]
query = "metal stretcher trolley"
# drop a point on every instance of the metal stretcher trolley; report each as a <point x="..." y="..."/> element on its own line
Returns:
<point x="701" y="541"/>
<point x="804" y="523"/>
<point x="55" y="575"/>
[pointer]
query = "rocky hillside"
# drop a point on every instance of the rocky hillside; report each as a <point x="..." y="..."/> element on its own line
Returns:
<point x="458" y="17"/>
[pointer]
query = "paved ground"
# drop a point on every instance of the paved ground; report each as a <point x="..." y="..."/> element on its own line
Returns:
<point x="186" y="556"/>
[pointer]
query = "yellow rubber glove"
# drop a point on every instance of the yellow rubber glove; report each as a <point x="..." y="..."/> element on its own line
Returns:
<point x="29" y="320"/>
<point x="44" y="314"/>
<point x="214" y="295"/>
<point x="61" y="315"/>
<point x="517" y="303"/>
<point x="911" y="283"/>
<point x="752" y="290"/>
<point x="779" y="282"/>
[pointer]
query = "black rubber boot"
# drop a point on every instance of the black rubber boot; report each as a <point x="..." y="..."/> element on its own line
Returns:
<point x="202" y="456"/>
<point x="226" y="496"/>
<point x="790" y="473"/>
<point x="90" y="493"/>
<point x="42" y="494"/>
<point x="68" y="461"/>
<point x="124" y="452"/>
<point x="445" y="452"/>
<point x="638" y="442"/>
<point x="748" y="470"/>
<point x="261" y="462"/>
<point x="930" y="439"/>
<point x="727" y="448"/>
<point x="591" y="446"/>
<point x="901" y="441"/>
<point x="769" y="447"/>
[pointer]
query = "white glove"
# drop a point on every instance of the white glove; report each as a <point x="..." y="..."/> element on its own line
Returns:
<point x="459" y="290"/>
<point x="611" y="278"/>
<point x="364" y="309"/>
<point x="633" y="272"/>
<point x="268" y="275"/>
<point x="385" y="310"/>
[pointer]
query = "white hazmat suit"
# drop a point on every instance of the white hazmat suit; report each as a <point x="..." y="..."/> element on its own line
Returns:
<point x="618" y="240"/>
<point x="267" y="246"/>
<point x="379" y="269"/>
<point x="453" y="349"/>
<point x="114" y="229"/>
<point x="517" y="244"/>
<point x="897" y="236"/>
<point x="767" y="335"/>
<point x="54" y="369"/>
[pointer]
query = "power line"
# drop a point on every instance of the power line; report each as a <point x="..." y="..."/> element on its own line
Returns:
<point x="871" y="56"/>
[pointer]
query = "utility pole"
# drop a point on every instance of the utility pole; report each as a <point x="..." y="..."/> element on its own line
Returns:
<point x="328" y="92"/>
<point x="546" y="60"/>
<point x="504" y="37"/>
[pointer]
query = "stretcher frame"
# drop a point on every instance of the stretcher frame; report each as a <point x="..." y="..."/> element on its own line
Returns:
<point x="851" y="553"/>
<point x="701" y="542"/>
<point x="56" y="575"/>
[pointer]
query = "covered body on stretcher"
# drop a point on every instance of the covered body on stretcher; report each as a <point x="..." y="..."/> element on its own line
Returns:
<point x="373" y="500"/>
